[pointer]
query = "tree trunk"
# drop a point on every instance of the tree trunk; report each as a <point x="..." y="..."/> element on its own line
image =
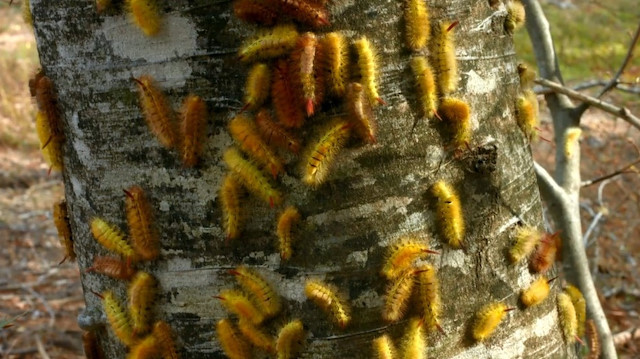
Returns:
<point x="375" y="193"/>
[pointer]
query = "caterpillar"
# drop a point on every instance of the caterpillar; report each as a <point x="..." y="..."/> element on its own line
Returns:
<point x="401" y="255"/>
<point x="251" y="177"/>
<point x="444" y="58"/>
<point x="449" y="214"/>
<point x="244" y="132"/>
<point x="270" y="43"/>
<point x="302" y="11"/>
<point x="427" y="91"/>
<point x="194" y="117"/>
<point x="527" y="114"/>
<point x="429" y="294"/>
<point x="545" y="254"/>
<point x="162" y="331"/>
<point x="110" y="237"/>
<point x="571" y="138"/>
<point x="257" y="88"/>
<point x="61" y="221"/>
<point x="230" y="204"/>
<point x="456" y="113"/>
<point x="254" y="12"/>
<point x="50" y="146"/>
<point x="290" y="340"/>
<point x="47" y="102"/>
<point x="287" y="220"/>
<point x="157" y="111"/>
<point x="256" y="336"/>
<point x="232" y="344"/>
<point x="417" y="23"/>
<point x="367" y="68"/>
<point x="335" y="62"/>
<point x="144" y="235"/>
<point x="148" y="347"/>
<point x="145" y="15"/>
<point x="526" y="75"/>
<point x="142" y="292"/>
<point x="397" y="296"/>
<point x="321" y="152"/>
<point x="102" y="5"/>
<point x="239" y="304"/>
<point x="328" y="299"/>
<point x="414" y="341"/>
<point x="304" y="69"/>
<point x="383" y="348"/>
<point x="90" y="346"/>
<point x="526" y="239"/>
<point x="285" y="98"/>
<point x="536" y="293"/>
<point x="567" y="316"/>
<point x="488" y="319"/>
<point x="26" y="12"/>
<point x="266" y="298"/>
<point x="594" y="340"/>
<point x="580" y="306"/>
<point x="112" y="267"/>
<point x="118" y="318"/>
<point x="273" y="133"/>
<point x="515" y="16"/>
<point x="360" y="113"/>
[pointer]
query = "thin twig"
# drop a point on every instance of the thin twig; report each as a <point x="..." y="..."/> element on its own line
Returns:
<point x="41" y="349"/>
<point x="621" y="112"/>
<point x="540" y="90"/>
<point x="622" y="338"/>
<point x="548" y="184"/>
<point x="610" y="175"/>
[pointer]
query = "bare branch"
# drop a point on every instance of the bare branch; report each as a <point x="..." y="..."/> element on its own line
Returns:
<point x="610" y="175"/>
<point x="628" y="88"/>
<point x="547" y="184"/>
<point x="626" y="336"/>
<point x="621" y="112"/>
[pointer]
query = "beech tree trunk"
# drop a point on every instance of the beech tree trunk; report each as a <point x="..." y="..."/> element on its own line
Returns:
<point x="375" y="193"/>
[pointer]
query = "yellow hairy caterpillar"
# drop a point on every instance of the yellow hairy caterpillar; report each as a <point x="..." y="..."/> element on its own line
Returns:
<point x="112" y="267"/>
<point x="162" y="331"/>
<point x="401" y="255"/>
<point x="287" y="220"/>
<point x="244" y="132"/>
<point x="383" y="348"/>
<point x="90" y="346"/>
<point x="536" y="293"/>
<point x="328" y="299"/>
<point x="571" y="138"/>
<point x="273" y="133"/>
<point x="449" y="214"/>
<point x="336" y="62"/>
<point x="290" y="340"/>
<point x="257" y="88"/>
<point x="148" y="347"/>
<point x="285" y="97"/>
<point x="594" y="340"/>
<point x="254" y="12"/>
<point x="427" y="91"/>
<point x="102" y="5"/>
<point x="444" y="58"/>
<point x="515" y="16"/>
<point x="488" y="319"/>
<point x="232" y="344"/>
<point x="429" y="294"/>
<point x="239" y="304"/>
<point x="414" y="341"/>
<point x="256" y="336"/>
<point x="144" y="235"/>
<point x="142" y="292"/>
<point x="251" y="177"/>
<point x="397" y="296"/>
<point x="457" y="114"/>
<point x="118" y="318"/>
<point x="525" y="242"/>
<point x="268" y="44"/>
<point x="47" y="102"/>
<point x="50" y="146"/>
<point x="266" y="298"/>
<point x="303" y="11"/>
<point x="304" y="60"/>
<point x="145" y="15"/>
<point x="368" y="68"/>
<point x="157" y="111"/>
<point x="360" y="113"/>
<point x="567" y="316"/>
<point x="110" y="237"/>
<point x="193" y="119"/>
<point x="230" y="204"/>
<point x="526" y="75"/>
<point x="26" y="12"/>
<point x="61" y="221"/>
<point x="580" y="306"/>
<point x="545" y="254"/>
<point x="527" y="114"/>
<point x="321" y="152"/>
<point x="418" y="28"/>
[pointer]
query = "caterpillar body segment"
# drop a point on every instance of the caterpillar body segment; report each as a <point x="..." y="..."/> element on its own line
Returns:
<point x="418" y="28"/>
<point x="360" y="113"/>
<point x="256" y="336"/>
<point x="568" y="318"/>
<point x="449" y="214"/>
<point x="305" y="70"/>
<point x="321" y="153"/>
<point x="112" y="267"/>
<point x="266" y="298"/>
<point x="61" y="221"/>
<point x="457" y="115"/>
<point x="194" y="116"/>
<point x="230" y="205"/>
<point x="142" y="292"/>
<point x="414" y="341"/>
<point x="110" y="237"/>
<point x="527" y="114"/>
<point x="50" y="146"/>
<point x="162" y="331"/>
<point x="244" y="132"/>
<point x="290" y="340"/>
<point x="145" y="238"/>
<point x="443" y="54"/>
<point x="397" y="296"/>
<point x="146" y="348"/>
<point x="580" y="306"/>
<point x="536" y="293"/>
<point x="401" y="256"/>
<point x="328" y="299"/>
<point x="270" y="43"/>
<point x="258" y="86"/>
<point x="231" y="342"/>
<point x="286" y="221"/>
<point x="335" y="62"/>
<point x="251" y="177"/>
<point x="239" y="304"/>
<point x="254" y="12"/>
<point x="383" y="348"/>
<point x="302" y="11"/>
<point x="157" y="112"/>
<point x="285" y="97"/>
<point x="368" y="69"/>
<point x="515" y="16"/>
<point x="145" y="15"/>
<point x="545" y="254"/>
<point x="488" y="319"/>
<point x="429" y="294"/>
<point x="526" y="239"/>
<point x="426" y="85"/>
<point x="118" y="318"/>
<point x="274" y="134"/>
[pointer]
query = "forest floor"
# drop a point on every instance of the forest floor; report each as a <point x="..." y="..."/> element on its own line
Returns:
<point x="42" y="298"/>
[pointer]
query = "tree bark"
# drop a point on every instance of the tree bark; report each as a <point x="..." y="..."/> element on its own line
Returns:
<point x="375" y="194"/>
